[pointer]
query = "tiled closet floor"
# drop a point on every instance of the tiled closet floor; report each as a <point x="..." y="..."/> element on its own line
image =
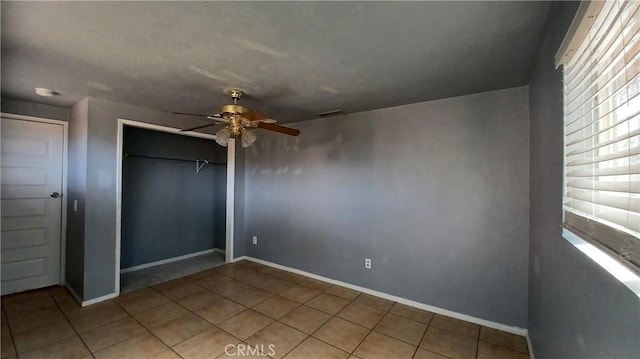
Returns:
<point x="252" y="311"/>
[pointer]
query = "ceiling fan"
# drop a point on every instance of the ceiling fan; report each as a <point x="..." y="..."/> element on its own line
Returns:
<point x="238" y="121"/>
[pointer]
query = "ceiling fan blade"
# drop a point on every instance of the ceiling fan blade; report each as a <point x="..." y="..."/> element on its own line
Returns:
<point x="257" y="116"/>
<point x="197" y="127"/>
<point x="217" y="118"/>
<point x="186" y="113"/>
<point x="195" y="114"/>
<point x="277" y="128"/>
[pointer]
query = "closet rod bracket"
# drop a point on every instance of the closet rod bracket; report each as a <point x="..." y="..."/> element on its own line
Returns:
<point x="200" y="164"/>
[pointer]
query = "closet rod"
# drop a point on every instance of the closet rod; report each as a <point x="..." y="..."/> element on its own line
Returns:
<point x="174" y="159"/>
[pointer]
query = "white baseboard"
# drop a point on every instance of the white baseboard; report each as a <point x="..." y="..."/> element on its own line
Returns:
<point x="73" y="293"/>
<point x="168" y="260"/>
<point x="84" y="303"/>
<point x="99" y="299"/>
<point x="468" y="318"/>
<point x="237" y="259"/>
<point x="530" y="346"/>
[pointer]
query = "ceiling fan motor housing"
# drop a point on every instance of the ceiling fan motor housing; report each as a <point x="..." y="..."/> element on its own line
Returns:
<point x="236" y="123"/>
<point x="236" y="126"/>
<point x="232" y="110"/>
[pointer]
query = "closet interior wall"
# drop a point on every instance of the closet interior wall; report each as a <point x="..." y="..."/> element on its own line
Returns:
<point x="173" y="202"/>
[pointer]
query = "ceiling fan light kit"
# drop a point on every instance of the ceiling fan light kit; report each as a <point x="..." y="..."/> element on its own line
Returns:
<point x="223" y="136"/>
<point x="239" y="120"/>
<point x="247" y="138"/>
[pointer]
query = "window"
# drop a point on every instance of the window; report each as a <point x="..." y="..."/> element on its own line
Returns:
<point x="601" y="66"/>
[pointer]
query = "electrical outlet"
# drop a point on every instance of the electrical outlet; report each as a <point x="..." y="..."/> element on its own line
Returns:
<point x="367" y="263"/>
<point x="75" y="205"/>
<point x="254" y="240"/>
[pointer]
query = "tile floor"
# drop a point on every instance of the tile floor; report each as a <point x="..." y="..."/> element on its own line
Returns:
<point x="147" y="277"/>
<point x="253" y="310"/>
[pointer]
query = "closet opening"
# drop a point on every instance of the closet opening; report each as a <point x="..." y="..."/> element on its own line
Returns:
<point x="173" y="206"/>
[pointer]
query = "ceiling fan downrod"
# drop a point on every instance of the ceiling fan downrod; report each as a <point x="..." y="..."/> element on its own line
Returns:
<point x="229" y="111"/>
<point x="235" y="95"/>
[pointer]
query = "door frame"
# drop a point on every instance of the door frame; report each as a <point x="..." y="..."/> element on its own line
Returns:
<point x="230" y="186"/>
<point x="65" y="155"/>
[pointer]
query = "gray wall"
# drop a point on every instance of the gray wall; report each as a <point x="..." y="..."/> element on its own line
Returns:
<point x="100" y="222"/>
<point x="576" y="309"/>
<point x="34" y="109"/>
<point x="91" y="231"/>
<point x="169" y="209"/>
<point x="76" y="190"/>
<point x="436" y="193"/>
<point x="239" y="227"/>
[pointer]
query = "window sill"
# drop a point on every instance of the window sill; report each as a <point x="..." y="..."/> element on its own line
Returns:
<point x="606" y="261"/>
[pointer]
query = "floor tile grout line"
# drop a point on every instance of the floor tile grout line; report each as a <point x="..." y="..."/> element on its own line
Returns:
<point x="307" y="335"/>
<point x="251" y="272"/>
<point x="458" y="333"/>
<point x="304" y="303"/>
<point x="289" y="326"/>
<point x="145" y="327"/>
<point x="320" y="326"/>
<point x="196" y="314"/>
<point x="297" y="345"/>
<point x="324" y="341"/>
<point x="13" y="341"/>
<point x="118" y="342"/>
<point x="11" y="331"/>
<point x="188" y="310"/>
<point x="424" y="335"/>
<point x="402" y="340"/>
<point x="478" y="342"/>
<point x="387" y="312"/>
<point x="335" y="315"/>
<point x="214" y="325"/>
<point x="372" y="328"/>
<point x="213" y="265"/>
<point x="353" y="300"/>
<point x="199" y="316"/>
<point x="191" y="280"/>
<point x="148" y="330"/>
<point x="64" y="314"/>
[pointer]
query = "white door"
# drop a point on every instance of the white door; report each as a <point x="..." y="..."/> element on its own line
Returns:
<point x="31" y="181"/>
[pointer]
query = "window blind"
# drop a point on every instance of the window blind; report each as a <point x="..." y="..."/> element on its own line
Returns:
<point x="602" y="131"/>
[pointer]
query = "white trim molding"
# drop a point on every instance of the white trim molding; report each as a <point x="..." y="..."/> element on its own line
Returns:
<point x="84" y="303"/>
<point x="578" y="30"/>
<point x="231" y="178"/>
<point x="119" y="148"/>
<point x="530" y="346"/>
<point x="99" y="299"/>
<point x="167" y="129"/>
<point x="605" y="260"/>
<point x="411" y="303"/>
<point x="165" y="261"/>
<point x="73" y="292"/>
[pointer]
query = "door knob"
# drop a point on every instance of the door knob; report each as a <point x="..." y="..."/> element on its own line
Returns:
<point x="55" y="194"/>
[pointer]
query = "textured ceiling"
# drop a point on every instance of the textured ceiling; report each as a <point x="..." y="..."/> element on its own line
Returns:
<point x="293" y="59"/>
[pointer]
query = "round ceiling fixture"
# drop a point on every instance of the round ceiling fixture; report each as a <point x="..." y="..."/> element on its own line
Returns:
<point x="41" y="91"/>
